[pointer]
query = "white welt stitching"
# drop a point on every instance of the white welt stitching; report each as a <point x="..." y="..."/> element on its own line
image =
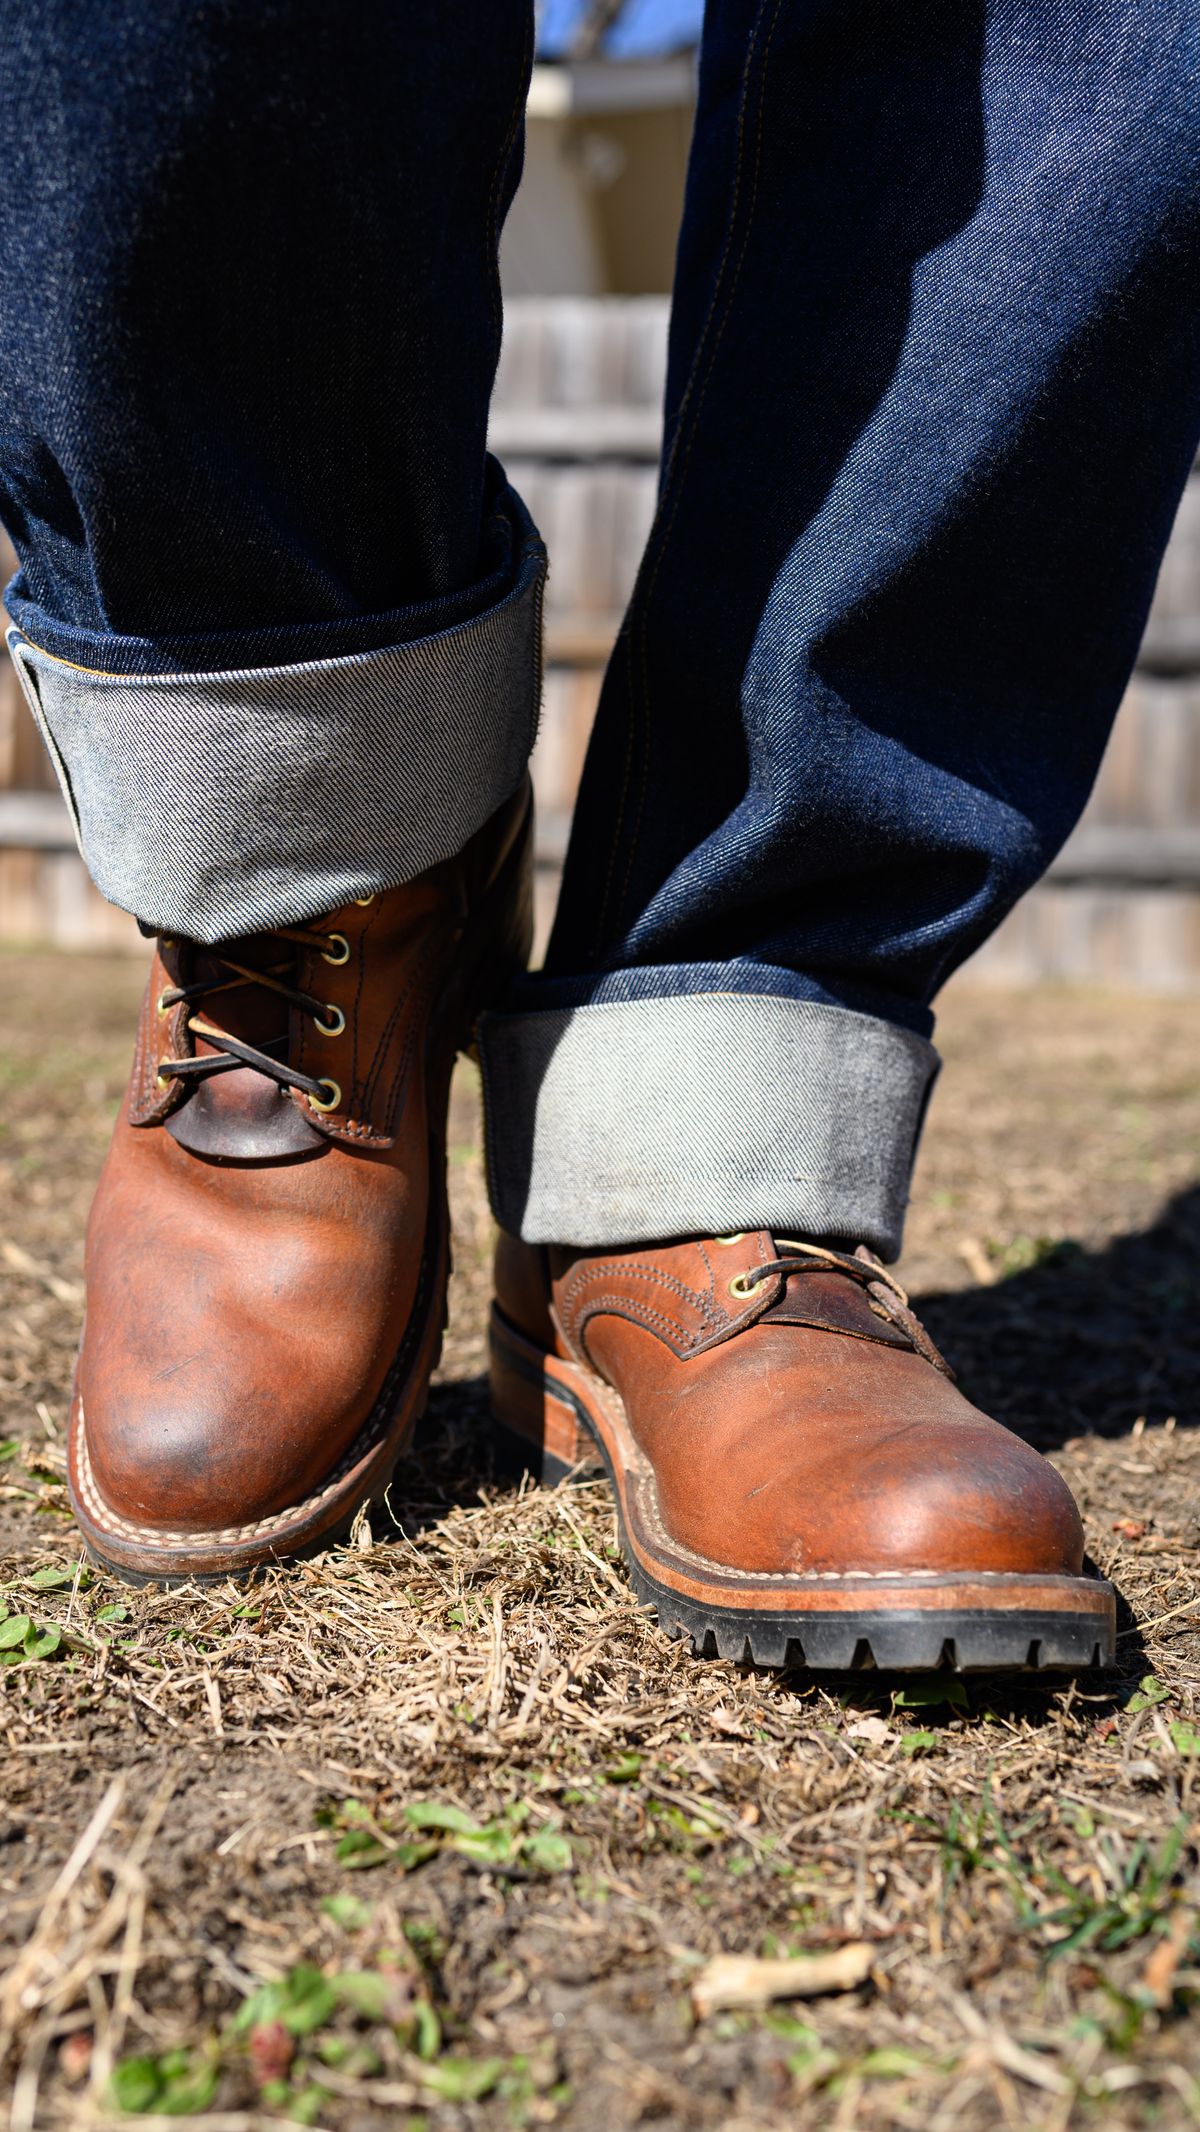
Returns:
<point x="163" y="1536"/>
<point x="641" y="1483"/>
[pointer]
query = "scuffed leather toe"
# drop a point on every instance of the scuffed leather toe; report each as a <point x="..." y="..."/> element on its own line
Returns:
<point x="873" y="1465"/>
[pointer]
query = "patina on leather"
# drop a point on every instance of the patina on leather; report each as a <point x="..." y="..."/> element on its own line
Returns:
<point x="257" y="1261"/>
<point x="796" y="1418"/>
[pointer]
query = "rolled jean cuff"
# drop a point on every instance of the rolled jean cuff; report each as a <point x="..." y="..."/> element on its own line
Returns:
<point x="633" y="1121"/>
<point x="215" y="803"/>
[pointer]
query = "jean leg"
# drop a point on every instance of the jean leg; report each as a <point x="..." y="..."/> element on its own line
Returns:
<point x="934" y="390"/>
<point x="274" y="600"/>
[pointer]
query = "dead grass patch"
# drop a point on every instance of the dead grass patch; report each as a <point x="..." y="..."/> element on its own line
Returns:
<point x="440" y="1830"/>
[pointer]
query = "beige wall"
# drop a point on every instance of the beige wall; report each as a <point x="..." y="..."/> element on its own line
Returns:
<point x="599" y="206"/>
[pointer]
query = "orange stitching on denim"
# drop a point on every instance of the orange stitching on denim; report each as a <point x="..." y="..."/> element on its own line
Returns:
<point x="669" y="479"/>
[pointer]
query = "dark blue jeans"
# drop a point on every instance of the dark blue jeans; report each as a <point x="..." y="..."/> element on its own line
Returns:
<point x="934" y="390"/>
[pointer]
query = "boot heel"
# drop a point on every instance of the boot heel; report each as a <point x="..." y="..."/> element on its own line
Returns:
<point x="538" y="1429"/>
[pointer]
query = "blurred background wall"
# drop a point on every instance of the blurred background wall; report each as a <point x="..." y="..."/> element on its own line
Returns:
<point x="586" y="265"/>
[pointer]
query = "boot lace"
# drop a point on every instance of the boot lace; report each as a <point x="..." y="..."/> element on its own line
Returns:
<point x="884" y="1293"/>
<point x="275" y="976"/>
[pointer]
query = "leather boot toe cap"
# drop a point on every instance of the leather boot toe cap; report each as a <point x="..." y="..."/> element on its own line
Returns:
<point x="906" y="1476"/>
<point x="195" y="1445"/>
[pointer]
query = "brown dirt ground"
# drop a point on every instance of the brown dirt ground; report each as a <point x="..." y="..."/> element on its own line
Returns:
<point x="210" y="1791"/>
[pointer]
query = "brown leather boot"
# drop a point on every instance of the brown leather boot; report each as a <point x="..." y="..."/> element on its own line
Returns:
<point x="267" y="1253"/>
<point x="797" y="1479"/>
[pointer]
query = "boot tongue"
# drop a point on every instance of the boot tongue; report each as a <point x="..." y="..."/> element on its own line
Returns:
<point x="829" y="1298"/>
<point x="239" y="1114"/>
<point x="255" y="1014"/>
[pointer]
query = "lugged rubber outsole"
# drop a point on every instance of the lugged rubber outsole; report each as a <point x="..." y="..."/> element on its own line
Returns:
<point x="965" y="1638"/>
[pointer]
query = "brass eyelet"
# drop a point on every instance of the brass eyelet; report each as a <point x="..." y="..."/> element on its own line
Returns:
<point x="362" y="901"/>
<point x="164" y="1004"/>
<point x="342" y="942"/>
<point x="742" y="1285"/>
<point x="162" y="1080"/>
<point x="738" y="1237"/>
<point x="335" y="1025"/>
<point x="334" y="1099"/>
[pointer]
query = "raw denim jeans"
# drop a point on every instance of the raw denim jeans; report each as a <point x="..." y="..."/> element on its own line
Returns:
<point x="934" y="390"/>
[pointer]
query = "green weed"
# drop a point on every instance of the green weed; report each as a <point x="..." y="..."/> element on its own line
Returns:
<point x="505" y="1843"/>
<point x="291" y="2028"/>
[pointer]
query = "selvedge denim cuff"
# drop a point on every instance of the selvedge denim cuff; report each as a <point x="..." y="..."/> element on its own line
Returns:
<point x="212" y="804"/>
<point x="632" y="1121"/>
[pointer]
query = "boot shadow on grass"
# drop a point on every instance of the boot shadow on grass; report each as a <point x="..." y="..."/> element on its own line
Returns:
<point x="1077" y="1343"/>
<point x="1084" y="1343"/>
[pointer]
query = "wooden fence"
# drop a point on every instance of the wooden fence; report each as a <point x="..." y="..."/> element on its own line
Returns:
<point x="576" y="421"/>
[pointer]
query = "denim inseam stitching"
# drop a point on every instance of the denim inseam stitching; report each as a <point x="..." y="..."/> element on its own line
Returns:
<point x="676" y="468"/>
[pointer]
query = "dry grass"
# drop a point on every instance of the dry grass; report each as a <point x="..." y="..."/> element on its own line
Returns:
<point x="481" y="1827"/>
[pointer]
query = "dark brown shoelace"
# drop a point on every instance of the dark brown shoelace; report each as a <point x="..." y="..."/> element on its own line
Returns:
<point x="884" y="1293"/>
<point x="279" y="977"/>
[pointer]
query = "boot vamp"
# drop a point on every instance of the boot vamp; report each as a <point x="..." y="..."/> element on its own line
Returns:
<point x="793" y="1450"/>
<point x="242" y="1320"/>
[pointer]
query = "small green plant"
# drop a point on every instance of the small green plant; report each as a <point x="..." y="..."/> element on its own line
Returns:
<point x="178" y="2083"/>
<point x="687" y="1834"/>
<point x="292" y="2031"/>
<point x="504" y="1843"/>
<point x="928" y="1694"/>
<point x="348" y="1911"/>
<point x="1065" y="1916"/>
<point x="60" y="1580"/>
<point x="1140" y="1898"/>
<point x="625" y="1770"/>
<point x="463" y="2079"/>
<point x="23" y="1642"/>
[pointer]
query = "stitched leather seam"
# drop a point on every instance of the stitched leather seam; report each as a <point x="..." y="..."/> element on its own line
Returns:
<point x="638" y="1269"/>
<point x="161" y="1535"/>
<point x="579" y="1309"/>
<point x="717" y="1324"/>
<point x="642" y="1314"/>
